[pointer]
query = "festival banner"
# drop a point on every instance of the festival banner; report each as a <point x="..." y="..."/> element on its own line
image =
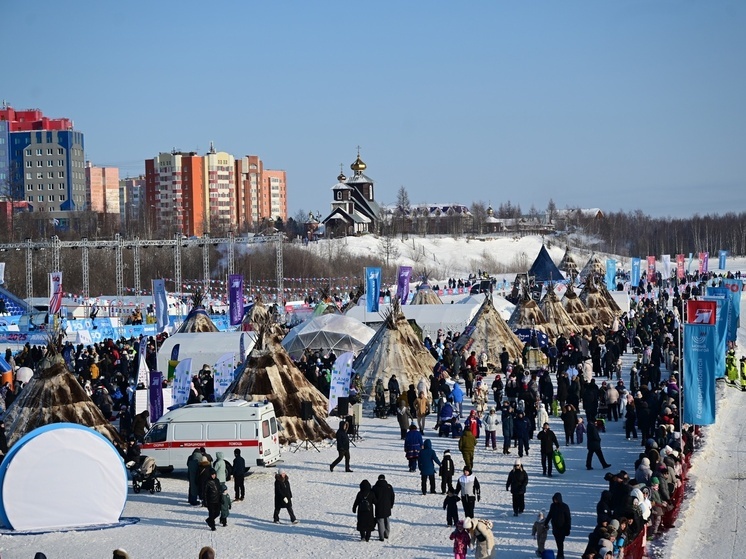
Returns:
<point x="174" y="361"/>
<point x="611" y="274"/>
<point x="242" y="347"/>
<point x="721" y="324"/>
<point x="722" y="255"/>
<point x="155" y="400"/>
<point x="689" y="266"/>
<point x="372" y="288"/>
<point x="680" y="273"/>
<point x="651" y="269"/>
<point x="55" y="292"/>
<point x="160" y="302"/>
<point x="235" y="298"/>
<point x="402" y="284"/>
<point x="182" y="380"/>
<point x="666" y="259"/>
<point x="142" y="365"/>
<point x="223" y="374"/>
<point x="341" y="378"/>
<point x="734" y="286"/>
<point x="2" y="273"/>
<point x="700" y="312"/>
<point x="704" y="262"/>
<point x="635" y="274"/>
<point x="699" y="374"/>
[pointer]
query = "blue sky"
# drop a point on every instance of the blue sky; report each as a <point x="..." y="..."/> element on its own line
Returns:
<point x="619" y="105"/>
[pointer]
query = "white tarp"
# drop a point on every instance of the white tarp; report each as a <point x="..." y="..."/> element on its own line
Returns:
<point x="429" y="318"/>
<point x="205" y="348"/>
<point x="326" y="332"/>
<point x="62" y="476"/>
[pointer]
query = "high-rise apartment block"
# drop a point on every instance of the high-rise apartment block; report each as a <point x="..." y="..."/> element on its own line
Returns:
<point x="102" y="189"/>
<point x="131" y="200"/>
<point x="42" y="161"/>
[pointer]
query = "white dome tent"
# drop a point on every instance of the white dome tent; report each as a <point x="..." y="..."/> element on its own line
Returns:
<point x="328" y="332"/>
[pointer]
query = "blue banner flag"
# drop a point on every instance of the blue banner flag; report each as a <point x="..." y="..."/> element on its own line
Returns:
<point x="611" y="274"/>
<point x="635" y="275"/>
<point x="155" y="400"/>
<point x="735" y="287"/>
<point x="372" y="288"/>
<point x="699" y="374"/>
<point x="728" y="308"/>
<point x="721" y="324"/>
<point x="722" y="255"/>
<point x="402" y="284"/>
<point x="161" y="303"/>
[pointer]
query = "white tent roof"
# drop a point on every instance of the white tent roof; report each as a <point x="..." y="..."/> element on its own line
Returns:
<point x="326" y="332"/>
<point x="428" y="317"/>
<point x="205" y="348"/>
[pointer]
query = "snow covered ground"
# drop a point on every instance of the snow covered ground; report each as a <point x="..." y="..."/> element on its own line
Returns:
<point x="170" y="528"/>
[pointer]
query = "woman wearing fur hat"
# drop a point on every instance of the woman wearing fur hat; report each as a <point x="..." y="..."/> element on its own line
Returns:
<point x="363" y="506"/>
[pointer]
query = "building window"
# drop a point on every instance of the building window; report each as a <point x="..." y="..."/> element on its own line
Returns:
<point x="29" y="164"/>
<point x="39" y="175"/>
<point x="60" y="163"/>
<point x="40" y="187"/>
<point x="339" y="195"/>
<point x="40" y="163"/>
<point x="28" y="152"/>
<point x="50" y="151"/>
<point x="50" y="175"/>
<point x="62" y="197"/>
<point x="60" y="151"/>
<point x="38" y="152"/>
<point x="40" y="198"/>
<point x="50" y="186"/>
<point x="61" y="174"/>
<point x="61" y="186"/>
<point x="28" y="176"/>
<point x="29" y="187"/>
<point x="30" y="199"/>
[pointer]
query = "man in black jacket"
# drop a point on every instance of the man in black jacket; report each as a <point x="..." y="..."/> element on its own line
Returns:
<point x="239" y="473"/>
<point x="516" y="484"/>
<point x="343" y="447"/>
<point x="559" y="516"/>
<point x="594" y="446"/>
<point x="384" y="503"/>
<point x="213" y="495"/>
<point x="549" y="442"/>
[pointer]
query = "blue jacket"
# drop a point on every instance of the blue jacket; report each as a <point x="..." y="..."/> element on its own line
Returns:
<point x="520" y="428"/>
<point x="446" y="412"/>
<point x="413" y="444"/>
<point x="457" y="393"/>
<point x="427" y="459"/>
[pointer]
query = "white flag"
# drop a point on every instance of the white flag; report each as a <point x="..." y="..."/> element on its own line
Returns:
<point x="142" y="366"/>
<point x="2" y="273"/>
<point x="223" y="373"/>
<point x="182" y="380"/>
<point x="341" y="377"/>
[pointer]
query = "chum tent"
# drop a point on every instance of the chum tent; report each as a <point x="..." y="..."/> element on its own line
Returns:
<point x="543" y="269"/>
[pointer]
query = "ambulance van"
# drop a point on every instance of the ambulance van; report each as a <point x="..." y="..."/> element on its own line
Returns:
<point x="219" y="426"/>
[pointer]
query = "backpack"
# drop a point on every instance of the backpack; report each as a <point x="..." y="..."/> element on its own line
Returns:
<point x="228" y="470"/>
<point x="364" y="505"/>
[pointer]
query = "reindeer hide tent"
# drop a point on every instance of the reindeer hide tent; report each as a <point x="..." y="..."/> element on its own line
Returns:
<point x="489" y="332"/>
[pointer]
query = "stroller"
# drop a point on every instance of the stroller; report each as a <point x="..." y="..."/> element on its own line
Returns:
<point x="145" y="476"/>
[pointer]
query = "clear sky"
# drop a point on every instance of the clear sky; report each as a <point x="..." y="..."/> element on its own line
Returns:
<point x="618" y="105"/>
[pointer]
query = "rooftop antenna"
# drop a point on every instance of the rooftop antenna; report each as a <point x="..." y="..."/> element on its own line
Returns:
<point x="212" y="147"/>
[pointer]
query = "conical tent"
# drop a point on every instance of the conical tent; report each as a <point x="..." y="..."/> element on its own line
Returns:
<point x="527" y="315"/>
<point x="598" y="307"/>
<point x="268" y="373"/>
<point x="425" y="295"/>
<point x="592" y="268"/>
<point x="489" y="332"/>
<point x="197" y="320"/>
<point x="558" y="321"/>
<point x="327" y="332"/>
<point x="543" y="268"/>
<point x="394" y="349"/>
<point x="568" y="264"/>
<point x="256" y="314"/>
<point x="54" y="395"/>
<point x="577" y="311"/>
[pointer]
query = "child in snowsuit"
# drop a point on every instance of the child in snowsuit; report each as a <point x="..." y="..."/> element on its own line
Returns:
<point x="461" y="541"/>
<point x="446" y="472"/>
<point x="540" y="532"/>
<point x="580" y="430"/>
<point x="225" y="505"/>
<point x="450" y="505"/>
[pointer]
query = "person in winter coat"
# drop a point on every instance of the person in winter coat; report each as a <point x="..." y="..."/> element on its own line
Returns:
<point x="548" y="442"/>
<point x="239" y="473"/>
<point x="426" y="463"/>
<point x="343" y="447"/>
<point x="644" y="472"/>
<point x="461" y="541"/>
<point x="384" y="499"/>
<point x="140" y="425"/>
<point x="193" y="474"/>
<point x="225" y="504"/>
<point x="363" y="506"/>
<point x="569" y="420"/>
<point x="594" y="446"/>
<point x="482" y="538"/>
<point x="450" y="505"/>
<point x="284" y="497"/>
<point x="630" y="420"/>
<point x="466" y="444"/>
<point x="604" y="508"/>
<point x="561" y="521"/>
<point x="469" y="490"/>
<point x="507" y="420"/>
<point x="219" y="466"/>
<point x="422" y="407"/>
<point x="473" y="423"/>
<point x="213" y="496"/>
<point x="521" y="430"/>
<point x="403" y="417"/>
<point x="413" y="446"/>
<point x="446" y="472"/>
<point x="542" y="416"/>
<point x="491" y="421"/>
<point x="516" y="484"/>
<point x="539" y="531"/>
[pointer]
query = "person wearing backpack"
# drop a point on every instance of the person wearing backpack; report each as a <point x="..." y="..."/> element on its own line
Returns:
<point x="221" y="467"/>
<point x="363" y="506"/>
<point x="239" y="473"/>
